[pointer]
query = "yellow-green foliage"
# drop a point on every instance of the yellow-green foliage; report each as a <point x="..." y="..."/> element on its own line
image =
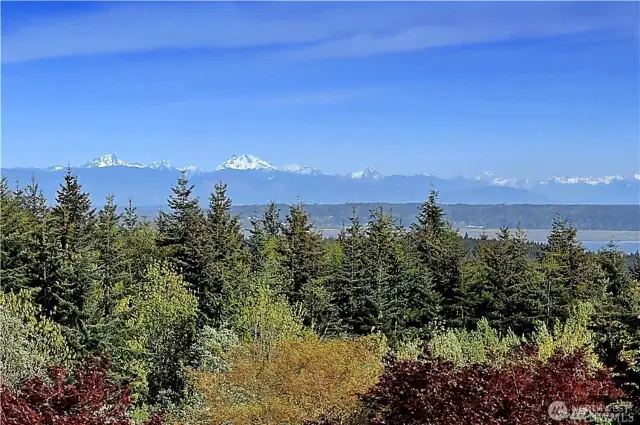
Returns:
<point x="155" y="317"/>
<point x="486" y="346"/>
<point x="569" y="336"/>
<point x="266" y="318"/>
<point x="29" y="341"/>
<point x="408" y="350"/>
<point x="481" y="346"/>
<point x="303" y="378"/>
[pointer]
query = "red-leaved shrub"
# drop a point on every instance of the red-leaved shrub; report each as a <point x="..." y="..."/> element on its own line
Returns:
<point x="89" y="399"/>
<point x="520" y="392"/>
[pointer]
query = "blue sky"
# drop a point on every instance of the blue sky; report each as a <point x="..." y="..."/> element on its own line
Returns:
<point x="520" y="89"/>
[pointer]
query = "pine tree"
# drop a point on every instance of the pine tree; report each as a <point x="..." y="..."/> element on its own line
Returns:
<point x="182" y="232"/>
<point x="110" y="261"/>
<point x="440" y="253"/>
<point x="14" y="241"/>
<point x="265" y="235"/>
<point x="271" y="220"/>
<point x="382" y="301"/>
<point x="613" y="263"/>
<point x="569" y="274"/>
<point x="502" y="282"/>
<point x="183" y="206"/>
<point x="74" y="271"/>
<point x="34" y="201"/>
<point x="301" y="252"/>
<point x="348" y="284"/>
<point x="130" y="217"/>
<point x="227" y="258"/>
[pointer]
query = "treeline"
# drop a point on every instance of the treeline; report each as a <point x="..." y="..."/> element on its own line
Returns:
<point x="528" y="216"/>
<point x="188" y="320"/>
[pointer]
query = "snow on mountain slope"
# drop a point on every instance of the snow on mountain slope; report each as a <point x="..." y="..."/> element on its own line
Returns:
<point x="490" y="178"/>
<point x="109" y="160"/>
<point x="588" y="180"/>
<point x="161" y="165"/>
<point x="367" y="173"/>
<point x="251" y="162"/>
<point x="246" y="162"/>
<point x="305" y="169"/>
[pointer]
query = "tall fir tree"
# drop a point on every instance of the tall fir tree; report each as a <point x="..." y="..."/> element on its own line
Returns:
<point x="570" y="275"/>
<point x="383" y="298"/>
<point x="301" y="252"/>
<point x="227" y="258"/>
<point x="440" y="254"/>
<point x="14" y="241"/>
<point x="349" y="283"/>
<point x="130" y="217"/>
<point x="74" y="272"/>
<point x="502" y="282"/>
<point x="613" y="264"/>
<point x="33" y="200"/>
<point x="110" y="259"/>
<point x="182" y="232"/>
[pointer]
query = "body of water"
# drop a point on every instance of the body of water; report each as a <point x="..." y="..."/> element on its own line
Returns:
<point x="627" y="246"/>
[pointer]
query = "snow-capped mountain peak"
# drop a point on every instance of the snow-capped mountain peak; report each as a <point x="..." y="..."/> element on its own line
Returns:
<point x="109" y="160"/>
<point x="161" y="165"/>
<point x="368" y="172"/>
<point x="489" y="177"/>
<point x="246" y="162"/>
<point x="588" y="180"/>
<point x="304" y="169"/>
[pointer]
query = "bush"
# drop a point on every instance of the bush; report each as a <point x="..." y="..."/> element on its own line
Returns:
<point x="29" y="341"/>
<point x="482" y="346"/>
<point x="159" y="327"/>
<point x="208" y="350"/>
<point x="301" y="379"/>
<point x="486" y="346"/>
<point x="89" y="399"/>
<point x="520" y="391"/>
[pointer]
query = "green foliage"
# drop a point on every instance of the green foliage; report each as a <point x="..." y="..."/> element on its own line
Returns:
<point x="482" y="346"/>
<point x="570" y="274"/>
<point x="193" y="292"/>
<point x="569" y="336"/>
<point x="486" y="345"/>
<point x="29" y="342"/>
<point x="301" y="252"/>
<point x="502" y="282"/>
<point x="210" y="346"/>
<point x="440" y="254"/>
<point x="159" y="327"/>
<point x="265" y="317"/>
<point x="74" y="272"/>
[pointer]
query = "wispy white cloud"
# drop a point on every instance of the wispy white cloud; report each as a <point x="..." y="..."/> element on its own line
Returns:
<point x="317" y="97"/>
<point x="306" y="30"/>
<point x="464" y="29"/>
<point x="298" y="98"/>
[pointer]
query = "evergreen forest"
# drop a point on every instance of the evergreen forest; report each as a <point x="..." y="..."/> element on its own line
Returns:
<point x="185" y="318"/>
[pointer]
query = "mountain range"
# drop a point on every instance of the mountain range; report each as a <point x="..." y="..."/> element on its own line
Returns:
<point x="252" y="180"/>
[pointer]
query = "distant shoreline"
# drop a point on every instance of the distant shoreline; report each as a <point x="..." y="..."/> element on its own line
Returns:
<point x="537" y="235"/>
<point x="540" y="235"/>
